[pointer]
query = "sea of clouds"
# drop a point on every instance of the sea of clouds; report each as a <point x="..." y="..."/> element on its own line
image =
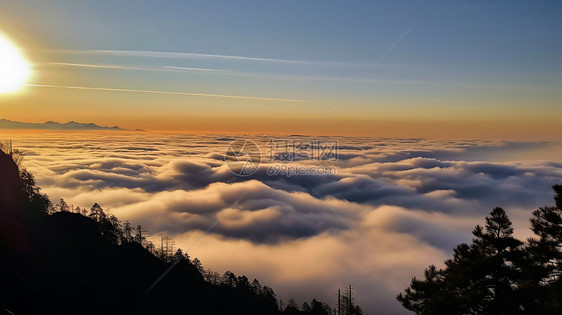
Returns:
<point x="393" y="207"/>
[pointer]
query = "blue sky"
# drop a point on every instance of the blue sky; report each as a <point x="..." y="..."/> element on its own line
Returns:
<point x="459" y="57"/>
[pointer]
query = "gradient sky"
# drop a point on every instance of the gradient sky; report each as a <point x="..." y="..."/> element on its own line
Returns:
<point x="463" y="68"/>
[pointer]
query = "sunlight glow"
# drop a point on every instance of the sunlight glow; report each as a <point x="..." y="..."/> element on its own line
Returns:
<point x="14" y="69"/>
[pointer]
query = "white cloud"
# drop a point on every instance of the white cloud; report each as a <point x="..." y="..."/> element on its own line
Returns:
<point x="394" y="207"/>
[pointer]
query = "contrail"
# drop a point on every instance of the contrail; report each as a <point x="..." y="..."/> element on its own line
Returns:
<point x="168" y="54"/>
<point x="98" y="66"/>
<point x="85" y="65"/>
<point x="92" y="88"/>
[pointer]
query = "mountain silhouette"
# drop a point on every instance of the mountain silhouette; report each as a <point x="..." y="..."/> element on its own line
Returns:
<point x="71" y="125"/>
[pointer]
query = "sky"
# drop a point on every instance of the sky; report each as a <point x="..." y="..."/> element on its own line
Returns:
<point x="465" y="69"/>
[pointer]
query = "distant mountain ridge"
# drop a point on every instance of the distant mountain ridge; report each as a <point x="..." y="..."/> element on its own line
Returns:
<point x="53" y="125"/>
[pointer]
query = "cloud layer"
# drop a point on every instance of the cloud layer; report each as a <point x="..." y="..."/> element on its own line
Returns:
<point x="393" y="207"/>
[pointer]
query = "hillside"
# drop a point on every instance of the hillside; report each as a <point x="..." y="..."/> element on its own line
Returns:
<point x="67" y="263"/>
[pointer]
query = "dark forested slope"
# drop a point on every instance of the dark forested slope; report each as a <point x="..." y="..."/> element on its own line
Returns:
<point x="67" y="263"/>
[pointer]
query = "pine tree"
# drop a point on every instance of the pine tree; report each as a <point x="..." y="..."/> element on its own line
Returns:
<point x="197" y="263"/>
<point x="306" y="308"/>
<point x="479" y="279"/>
<point x="110" y="228"/>
<point x="541" y="285"/>
<point x="291" y="306"/>
<point x="179" y="255"/>
<point x="228" y="279"/>
<point x="320" y="308"/>
<point x="127" y="232"/>
<point x="256" y="288"/>
<point x="428" y="296"/>
<point x="35" y="203"/>
<point x="243" y="283"/>
<point x="269" y="296"/>
<point x="139" y="237"/>
<point x="97" y="213"/>
<point x="62" y="205"/>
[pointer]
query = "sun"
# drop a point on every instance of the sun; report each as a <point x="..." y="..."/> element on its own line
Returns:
<point x="14" y="69"/>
